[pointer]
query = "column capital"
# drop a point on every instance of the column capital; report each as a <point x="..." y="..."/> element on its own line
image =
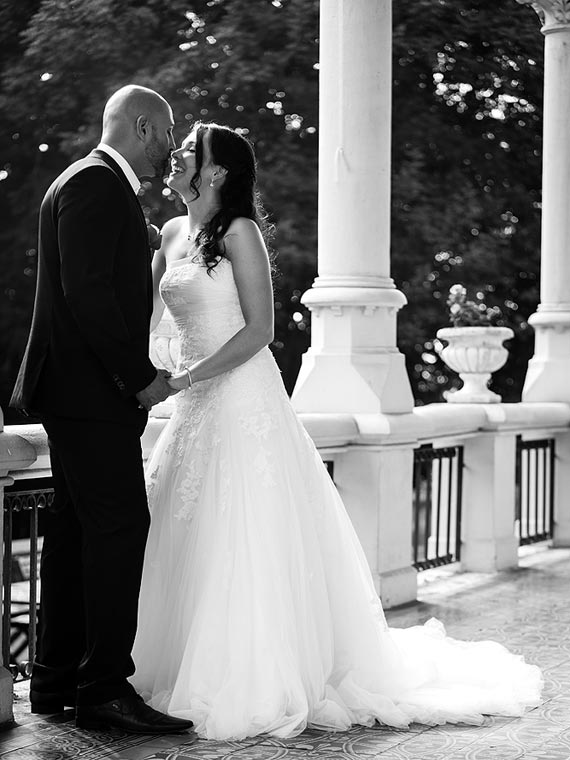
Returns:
<point x="554" y="14"/>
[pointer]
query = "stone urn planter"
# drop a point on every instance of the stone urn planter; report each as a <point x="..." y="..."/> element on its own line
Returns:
<point x="475" y="353"/>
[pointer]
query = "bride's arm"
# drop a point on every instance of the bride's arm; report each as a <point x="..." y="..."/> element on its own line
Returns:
<point x="246" y="250"/>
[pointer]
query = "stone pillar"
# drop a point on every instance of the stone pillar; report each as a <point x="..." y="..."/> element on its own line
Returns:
<point x="375" y="483"/>
<point x="353" y="364"/>
<point x="549" y="369"/>
<point x="561" y="527"/>
<point x="488" y="541"/>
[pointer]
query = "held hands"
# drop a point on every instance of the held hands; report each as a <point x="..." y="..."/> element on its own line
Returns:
<point x="180" y="381"/>
<point x="156" y="392"/>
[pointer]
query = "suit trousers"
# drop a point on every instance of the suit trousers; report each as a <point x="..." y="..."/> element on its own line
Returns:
<point x="92" y="558"/>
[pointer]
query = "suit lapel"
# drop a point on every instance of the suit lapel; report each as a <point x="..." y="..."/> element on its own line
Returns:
<point x="101" y="155"/>
<point x="112" y="164"/>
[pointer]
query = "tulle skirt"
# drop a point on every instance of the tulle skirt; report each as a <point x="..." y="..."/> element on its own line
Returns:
<point x="258" y="611"/>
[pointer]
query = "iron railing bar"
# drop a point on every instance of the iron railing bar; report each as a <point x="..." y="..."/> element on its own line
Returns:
<point x="7" y="588"/>
<point x="518" y="481"/>
<point x="536" y="490"/>
<point x="417" y="501"/>
<point x="552" y="482"/>
<point x="32" y="623"/>
<point x="544" y="485"/>
<point x="450" y="480"/>
<point x="438" y="512"/>
<point x="527" y="498"/>
<point x="459" y="505"/>
<point x="429" y="486"/>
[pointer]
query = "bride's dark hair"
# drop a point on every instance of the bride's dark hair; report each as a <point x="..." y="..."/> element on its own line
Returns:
<point x="238" y="194"/>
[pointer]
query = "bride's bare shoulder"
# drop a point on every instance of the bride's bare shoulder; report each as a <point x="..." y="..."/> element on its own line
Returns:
<point x="242" y="233"/>
<point x="241" y="225"/>
<point x="175" y="237"/>
<point x="175" y="226"/>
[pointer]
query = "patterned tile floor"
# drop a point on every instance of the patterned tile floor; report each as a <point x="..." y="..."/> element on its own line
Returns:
<point x="526" y="609"/>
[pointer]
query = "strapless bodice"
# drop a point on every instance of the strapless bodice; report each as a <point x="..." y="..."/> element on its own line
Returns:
<point x="204" y="305"/>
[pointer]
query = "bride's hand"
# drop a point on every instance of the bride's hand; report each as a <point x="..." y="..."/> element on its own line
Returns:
<point x="178" y="381"/>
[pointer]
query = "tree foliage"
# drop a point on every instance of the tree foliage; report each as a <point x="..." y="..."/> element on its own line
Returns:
<point x="468" y="80"/>
<point x="466" y="143"/>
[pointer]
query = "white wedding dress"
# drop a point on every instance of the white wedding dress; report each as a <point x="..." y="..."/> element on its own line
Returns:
<point x="258" y="612"/>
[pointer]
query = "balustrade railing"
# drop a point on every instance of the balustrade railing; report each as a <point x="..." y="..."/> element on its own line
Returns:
<point x="535" y="466"/>
<point x="20" y="572"/>
<point x="436" y="536"/>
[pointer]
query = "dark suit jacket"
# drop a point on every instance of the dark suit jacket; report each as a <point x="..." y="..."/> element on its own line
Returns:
<point x="87" y="353"/>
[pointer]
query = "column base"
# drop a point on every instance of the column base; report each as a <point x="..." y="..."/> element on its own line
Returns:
<point x="490" y="556"/>
<point x="353" y="365"/>
<point x="549" y="369"/>
<point x="561" y="530"/>
<point x="350" y="384"/>
<point x="6" y="698"/>
<point x="396" y="587"/>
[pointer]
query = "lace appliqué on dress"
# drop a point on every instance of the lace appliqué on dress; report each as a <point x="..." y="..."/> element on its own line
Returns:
<point x="196" y="436"/>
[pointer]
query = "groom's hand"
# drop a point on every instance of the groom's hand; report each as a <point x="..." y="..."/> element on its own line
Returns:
<point x="156" y="392"/>
<point x="154" y="237"/>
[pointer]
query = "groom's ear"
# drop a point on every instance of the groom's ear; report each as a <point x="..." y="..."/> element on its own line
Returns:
<point x="143" y="127"/>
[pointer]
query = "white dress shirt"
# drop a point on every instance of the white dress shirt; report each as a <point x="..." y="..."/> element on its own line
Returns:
<point x="134" y="181"/>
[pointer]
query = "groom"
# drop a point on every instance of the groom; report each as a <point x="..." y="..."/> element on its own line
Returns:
<point x="86" y="374"/>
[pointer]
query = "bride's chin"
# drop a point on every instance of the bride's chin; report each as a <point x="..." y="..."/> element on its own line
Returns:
<point x="173" y="182"/>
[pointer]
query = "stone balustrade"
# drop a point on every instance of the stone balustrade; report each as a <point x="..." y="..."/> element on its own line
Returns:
<point x="373" y="456"/>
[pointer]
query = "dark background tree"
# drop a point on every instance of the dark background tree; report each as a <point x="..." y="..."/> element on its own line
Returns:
<point x="466" y="144"/>
<point x="468" y="80"/>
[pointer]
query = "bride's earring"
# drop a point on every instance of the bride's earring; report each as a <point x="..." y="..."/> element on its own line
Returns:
<point x="212" y="180"/>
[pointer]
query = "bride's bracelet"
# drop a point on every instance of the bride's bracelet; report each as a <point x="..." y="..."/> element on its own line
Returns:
<point x="187" y="370"/>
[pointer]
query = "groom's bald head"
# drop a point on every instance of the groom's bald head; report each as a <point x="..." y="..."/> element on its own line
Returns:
<point x="126" y="105"/>
<point x="138" y="122"/>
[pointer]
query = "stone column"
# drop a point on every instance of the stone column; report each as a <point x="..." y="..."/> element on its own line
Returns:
<point x="488" y="541"/>
<point x="549" y="369"/>
<point x="561" y="527"/>
<point x="375" y="483"/>
<point x="353" y="364"/>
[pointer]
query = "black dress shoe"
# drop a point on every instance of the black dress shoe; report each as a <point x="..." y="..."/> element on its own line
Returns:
<point x="129" y="714"/>
<point x="49" y="702"/>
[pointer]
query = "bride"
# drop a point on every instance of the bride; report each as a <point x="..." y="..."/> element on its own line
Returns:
<point x="258" y="612"/>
